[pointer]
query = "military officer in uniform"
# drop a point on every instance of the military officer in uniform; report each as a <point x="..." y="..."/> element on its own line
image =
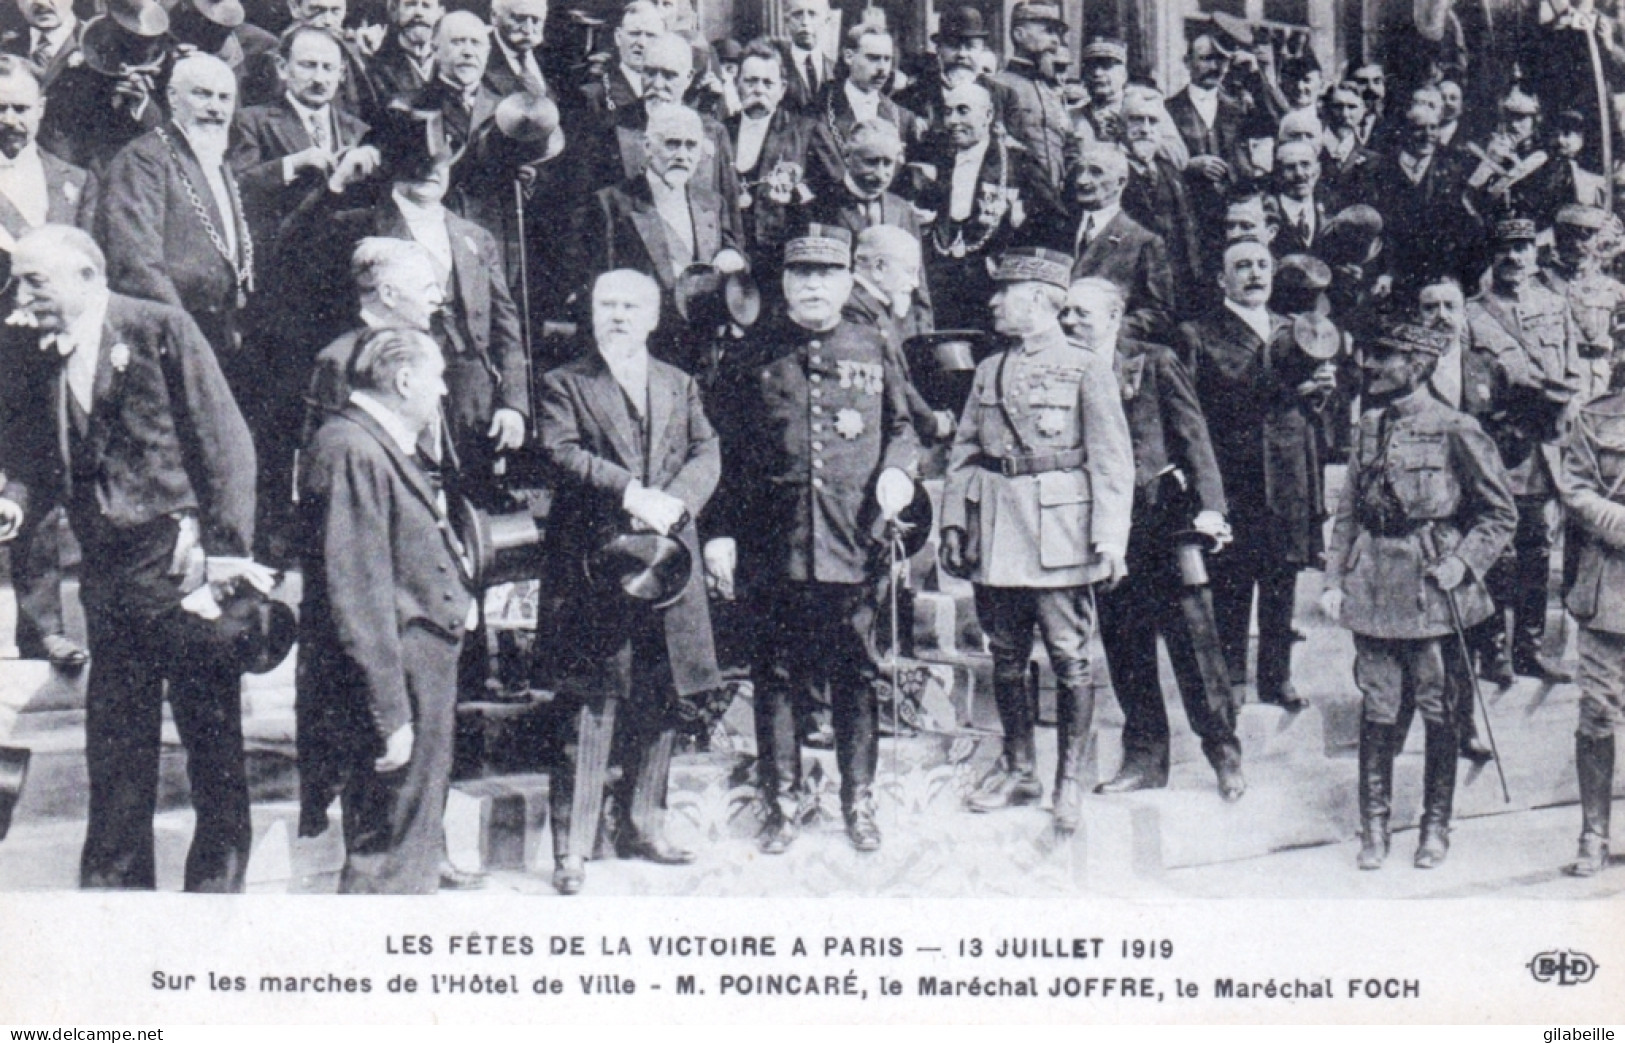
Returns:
<point x="1591" y="480"/>
<point x="1527" y="330"/>
<point x="1174" y="472"/>
<point x="1424" y="513"/>
<point x="1035" y="512"/>
<point x="821" y="453"/>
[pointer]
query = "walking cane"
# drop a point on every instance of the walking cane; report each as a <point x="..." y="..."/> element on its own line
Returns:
<point x="1478" y="691"/>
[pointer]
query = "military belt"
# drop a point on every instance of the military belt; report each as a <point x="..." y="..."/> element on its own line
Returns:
<point x="1015" y="466"/>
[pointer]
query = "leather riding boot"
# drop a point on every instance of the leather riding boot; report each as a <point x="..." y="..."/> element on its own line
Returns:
<point x="1438" y="794"/>
<point x="859" y="814"/>
<point x="1594" y="759"/>
<point x="1013" y="779"/>
<point x="1077" y="713"/>
<point x="1377" y="751"/>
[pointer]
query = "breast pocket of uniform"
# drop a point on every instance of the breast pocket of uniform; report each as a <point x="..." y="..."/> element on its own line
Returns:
<point x="1423" y="481"/>
<point x="1063" y="519"/>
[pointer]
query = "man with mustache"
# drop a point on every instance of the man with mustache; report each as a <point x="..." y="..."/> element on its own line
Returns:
<point x="36" y="188"/>
<point x="51" y="40"/>
<point x="404" y="61"/>
<point x="118" y="411"/>
<point x="660" y="223"/>
<point x="1424" y="513"/>
<point x="1258" y="422"/>
<point x="1030" y="102"/>
<point x="816" y="427"/>
<point x="173" y="224"/>
<point x="1035" y="514"/>
<point x="774" y="151"/>
<point x="1530" y="332"/>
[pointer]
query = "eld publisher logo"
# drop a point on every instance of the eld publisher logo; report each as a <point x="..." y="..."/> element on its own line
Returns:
<point x="1563" y="968"/>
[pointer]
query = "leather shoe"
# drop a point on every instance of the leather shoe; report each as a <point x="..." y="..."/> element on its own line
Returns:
<point x="1005" y="787"/>
<point x="778" y="833"/>
<point x="1474" y="751"/>
<point x="454" y="879"/>
<point x="1286" y="697"/>
<point x="861" y="828"/>
<point x="64" y="653"/>
<point x="1542" y="666"/>
<point x="1232" y="783"/>
<point x="658" y="850"/>
<point x="1131" y="777"/>
<point x="570" y="875"/>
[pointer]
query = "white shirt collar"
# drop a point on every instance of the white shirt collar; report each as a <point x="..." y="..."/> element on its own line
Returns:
<point x="388" y="419"/>
<point x="633" y="77"/>
<point x="1257" y="319"/>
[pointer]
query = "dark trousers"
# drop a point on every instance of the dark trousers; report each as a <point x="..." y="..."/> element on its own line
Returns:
<point x="1251" y="563"/>
<point x="814" y="634"/>
<point x="394" y="834"/>
<point x="1143" y="605"/>
<point x="640" y="735"/>
<point x="138" y="648"/>
<point x="36" y="572"/>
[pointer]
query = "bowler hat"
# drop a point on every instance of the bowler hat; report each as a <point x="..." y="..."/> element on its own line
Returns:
<point x="643" y="567"/>
<point x="961" y="23"/>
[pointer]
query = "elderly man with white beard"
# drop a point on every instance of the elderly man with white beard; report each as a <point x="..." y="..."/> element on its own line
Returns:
<point x="172" y="221"/>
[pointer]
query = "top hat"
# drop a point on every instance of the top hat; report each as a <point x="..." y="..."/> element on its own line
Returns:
<point x="130" y="35"/>
<point x="961" y="23"/>
<point x="705" y="295"/>
<point x="826" y="245"/>
<point x="1034" y="264"/>
<point x="642" y="567"/>
<point x="1353" y="235"/>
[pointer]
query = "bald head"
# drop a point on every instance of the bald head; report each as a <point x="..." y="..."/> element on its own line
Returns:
<point x="202" y="95"/>
<point x="462" y="44"/>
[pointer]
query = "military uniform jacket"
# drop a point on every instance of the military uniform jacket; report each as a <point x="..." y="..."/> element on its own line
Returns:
<point x="1056" y="407"/>
<point x="1445" y="478"/>
<point x="808" y="421"/>
<point x="1531" y="339"/>
<point x="1591" y="481"/>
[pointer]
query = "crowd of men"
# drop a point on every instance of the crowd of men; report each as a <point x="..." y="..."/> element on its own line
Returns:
<point x="305" y="280"/>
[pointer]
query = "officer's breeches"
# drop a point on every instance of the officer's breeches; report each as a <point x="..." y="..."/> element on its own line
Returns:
<point x="1388" y="670"/>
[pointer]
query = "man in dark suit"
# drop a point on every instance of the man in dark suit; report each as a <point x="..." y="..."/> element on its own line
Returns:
<point x="1169" y="434"/>
<point x="479" y="332"/>
<point x="124" y="418"/>
<point x="51" y="39"/>
<point x="404" y="61"/>
<point x="1112" y="245"/>
<point x="811" y="69"/>
<point x="36" y="188"/>
<point x="989" y="195"/>
<point x="634" y="452"/>
<point x="386" y="605"/>
<point x="1243" y="369"/>
<point x="660" y="223"/>
<point x="283" y="150"/>
<point x="775" y="152"/>
<point x="172" y="219"/>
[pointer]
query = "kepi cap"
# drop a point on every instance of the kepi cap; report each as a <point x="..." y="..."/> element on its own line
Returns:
<point x="1035" y="264"/>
